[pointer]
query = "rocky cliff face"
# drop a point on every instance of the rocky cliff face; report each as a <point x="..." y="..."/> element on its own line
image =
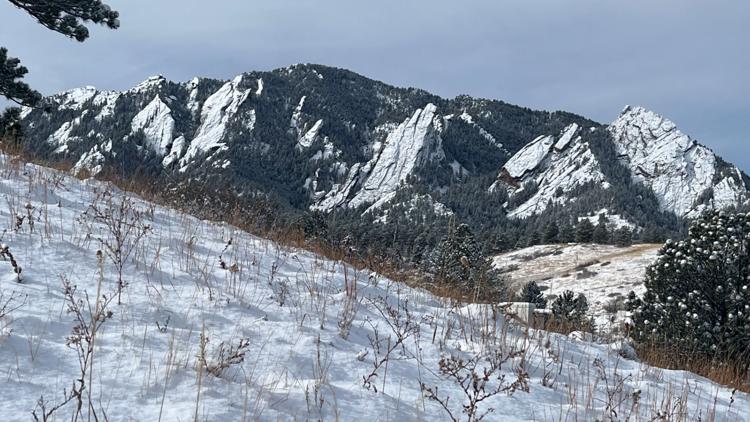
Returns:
<point x="414" y="143"/>
<point x="686" y="176"/>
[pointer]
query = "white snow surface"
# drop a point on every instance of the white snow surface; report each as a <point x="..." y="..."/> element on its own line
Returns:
<point x="75" y="98"/>
<point x="413" y="143"/>
<point x="678" y="169"/>
<point x="62" y="136"/>
<point x="601" y="272"/>
<point x="339" y="192"/>
<point x="728" y="192"/>
<point x="150" y="82"/>
<point x="563" y="171"/>
<point x="217" y="110"/>
<point x="310" y="136"/>
<point x="108" y="100"/>
<point x="614" y="221"/>
<point x="529" y="157"/>
<point x="157" y="124"/>
<point x="193" y="105"/>
<point x="288" y="304"/>
<point x="566" y="137"/>
<point x="294" y="123"/>
<point x="91" y="161"/>
<point x="178" y="146"/>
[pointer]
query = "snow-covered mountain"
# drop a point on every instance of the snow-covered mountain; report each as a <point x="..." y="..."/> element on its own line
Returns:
<point x="685" y="177"/>
<point x="315" y="138"/>
<point x="351" y="141"/>
<point x="215" y="324"/>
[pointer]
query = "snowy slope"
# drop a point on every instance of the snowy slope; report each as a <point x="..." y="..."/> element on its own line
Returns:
<point x="157" y="125"/>
<point x="601" y="272"/>
<point x="292" y="308"/>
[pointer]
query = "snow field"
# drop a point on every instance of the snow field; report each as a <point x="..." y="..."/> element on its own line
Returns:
<point x="215" y="330"/>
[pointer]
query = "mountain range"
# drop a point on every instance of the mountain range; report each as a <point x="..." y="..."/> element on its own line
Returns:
<point x="311" y="138"/>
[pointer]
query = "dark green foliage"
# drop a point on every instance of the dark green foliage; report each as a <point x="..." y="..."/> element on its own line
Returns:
<point x="531" y="293"/>
<point x="600" y="235"/>
<point x="652" y="234"/>
<point x="584" y="231"/>
<point x="68" y="16"/>
<point x="11" y="87"/>
<point x="697" y="299"/>
<point x="570" y="308"/>
<point x="632" y="302"/>
<point x="64" y="16"/>
<point x="313" y="225"/>
<point x="530" y="189"/>
<point x="533" y="238"/>
<point x="567" y="233"/>
<point x="623" y="237"/>
<point x="10" y="126"/>
<point x="458" y="261"/>
<point x="551" y="233"/>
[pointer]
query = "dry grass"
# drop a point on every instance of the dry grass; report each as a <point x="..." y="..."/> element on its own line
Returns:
<point x="731" y="372"/>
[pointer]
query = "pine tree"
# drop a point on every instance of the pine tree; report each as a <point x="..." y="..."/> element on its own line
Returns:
<point x="459" y="261"/>
<point x="697" y="298"/>
<point x="570" y="308"/>
<point x="551" y="233"/>
<point x="10" y="127"/>
<point x="567" y="233"/>
<point x="313" y="225"/>
<point x="584" y="231"/>
<point x="11" y="87"/>
<point x="623" y="237"/>
<point x="534" y="238"/>
<point x="601" y="234"/>
<point x="531" y="293"/>
<point x="652" y="234"/>
<point x="501" y="242"/>
<point x="64" y="16"/>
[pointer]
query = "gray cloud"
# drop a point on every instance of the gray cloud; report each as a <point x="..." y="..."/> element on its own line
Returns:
<point x="687" y="59"/>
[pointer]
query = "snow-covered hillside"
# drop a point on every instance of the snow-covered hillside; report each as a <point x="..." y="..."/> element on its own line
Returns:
<point x="215" y="324"/>
<point x="601" y="272"/>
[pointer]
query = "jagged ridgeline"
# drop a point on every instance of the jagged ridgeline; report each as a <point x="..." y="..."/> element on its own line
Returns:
<point x="390" y="168"/>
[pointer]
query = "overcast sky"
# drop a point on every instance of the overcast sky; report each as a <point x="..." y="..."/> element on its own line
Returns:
<point x="686" y="59"/>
